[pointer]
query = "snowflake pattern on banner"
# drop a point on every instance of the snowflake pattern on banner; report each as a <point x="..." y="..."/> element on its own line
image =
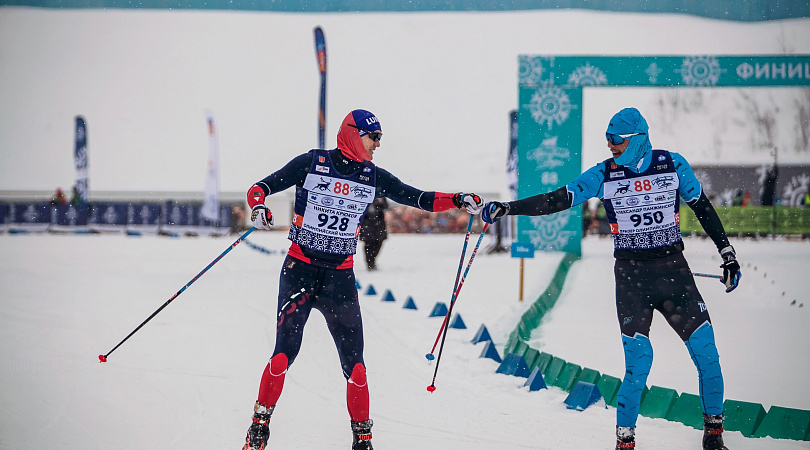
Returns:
<point x="644" y="241"/>
<point x="321" y="243"/>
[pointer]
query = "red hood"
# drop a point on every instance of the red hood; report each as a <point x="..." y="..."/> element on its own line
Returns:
<point x="349" y="141"/>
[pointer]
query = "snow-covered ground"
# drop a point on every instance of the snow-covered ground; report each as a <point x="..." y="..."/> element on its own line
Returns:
<point x="188" y="379"/>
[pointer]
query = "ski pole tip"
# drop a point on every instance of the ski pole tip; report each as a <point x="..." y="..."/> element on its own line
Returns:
<point x="430" y="357"/>
<point x="431" y="388"/>
<point x="102" y="358"/>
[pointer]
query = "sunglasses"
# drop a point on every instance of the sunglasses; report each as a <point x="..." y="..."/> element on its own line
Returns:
<point x="373" y="135"/>
<point x="617" y="139"/>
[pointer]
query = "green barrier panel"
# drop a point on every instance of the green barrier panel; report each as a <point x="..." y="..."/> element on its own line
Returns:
<point x="609" y="387"/>
<point x="532" y="317"/>
<point x="687" y="410"/>
<point x="518" y="348"/>
<point x="752" y="220"/>
<point x="588" y="376"/>
<point x="785" y="423"/>
<point x="658" y="402"/>
<point x="530" y="356"/>
<point x="744" y="417"/>
<point x="553" y="370"/>
<point x="568" y="375"/>
<point x="542" y="361"/>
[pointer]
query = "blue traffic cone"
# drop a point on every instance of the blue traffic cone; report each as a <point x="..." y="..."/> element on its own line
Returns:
<point x="490" y="352"/>
<point x="481" y="335"/>
<point x="458" y="323"/>
<point x="409" y="304"/>
<point x="439" y="310"/>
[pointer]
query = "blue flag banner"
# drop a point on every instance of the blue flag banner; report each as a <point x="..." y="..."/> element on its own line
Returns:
<point x="69" y="217"/>
<point x="143" y="217"/>
<point x="80" y="160"/>
<point x="108" y="216"/>
<point x="30" y="216"/>
<point x="4" y="216"/>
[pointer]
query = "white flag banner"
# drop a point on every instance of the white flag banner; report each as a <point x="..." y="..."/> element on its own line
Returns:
<point x="210" y="208"/>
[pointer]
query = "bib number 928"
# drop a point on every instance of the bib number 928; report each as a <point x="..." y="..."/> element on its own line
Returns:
<point x="333" y="222"/>
<point x="647" y="218"/>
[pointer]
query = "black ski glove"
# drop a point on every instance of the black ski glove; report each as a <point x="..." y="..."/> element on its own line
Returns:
<point x="731" y="268"/>
<point x="493" y="211"/>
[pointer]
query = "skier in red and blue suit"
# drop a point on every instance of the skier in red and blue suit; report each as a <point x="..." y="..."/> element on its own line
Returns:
<point x="333" y="189"/>
<point x="640" y="187"/>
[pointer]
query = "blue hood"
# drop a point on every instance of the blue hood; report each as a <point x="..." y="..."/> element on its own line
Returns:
<point x="629" y="121"/>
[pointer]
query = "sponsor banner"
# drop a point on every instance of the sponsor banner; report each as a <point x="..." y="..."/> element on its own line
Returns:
<point x="29" y="216"/>
<point x="107" y="216"/>
<point x="686" y="70"/>
<point x="4" y="216"/>
<point x="549" y="156"/>
<point x="183" y="218"/>
<point x="69" y="217"/>
<point x="143" y="217"/>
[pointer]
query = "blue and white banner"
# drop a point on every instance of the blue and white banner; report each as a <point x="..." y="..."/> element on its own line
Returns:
<point x="186" y="218"/>
<point x="210" y="207"/>
<point x="108" y="216"/>
<point x="80" y="159"/>
<point x="30" y="216"/>
<point x="143" y="217"/>
<point x="69" y="217"/>
<point x="4" y="216"/>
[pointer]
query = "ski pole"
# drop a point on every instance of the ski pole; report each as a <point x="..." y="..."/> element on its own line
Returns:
<point x="432" y="386"/>
<point x="707" y="275"/>
<point x="430" y="356"/>
<point x="103" y="358"/>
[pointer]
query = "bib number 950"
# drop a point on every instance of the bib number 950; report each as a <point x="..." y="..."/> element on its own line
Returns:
<point x="647" y="218"/>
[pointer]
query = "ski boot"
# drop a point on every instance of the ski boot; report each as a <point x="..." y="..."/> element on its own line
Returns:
<point x="625" y="438"/>
<point x="362" y="435"/>
<point x="713" y="432"/>
<point x="259" y="430"/>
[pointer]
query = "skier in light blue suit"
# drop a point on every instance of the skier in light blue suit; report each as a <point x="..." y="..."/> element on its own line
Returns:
<point x="640" y="188"/>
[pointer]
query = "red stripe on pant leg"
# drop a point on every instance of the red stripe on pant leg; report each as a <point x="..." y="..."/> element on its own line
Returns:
<point x="357" y="394"/>
<point x="273" y="380"/>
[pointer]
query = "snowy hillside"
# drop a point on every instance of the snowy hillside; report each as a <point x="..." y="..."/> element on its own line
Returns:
<point x="442" y="85"/>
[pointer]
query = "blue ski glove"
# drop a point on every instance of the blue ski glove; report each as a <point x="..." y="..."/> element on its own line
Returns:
<point x="493" y="211"/>
<point x="731" y="268"/>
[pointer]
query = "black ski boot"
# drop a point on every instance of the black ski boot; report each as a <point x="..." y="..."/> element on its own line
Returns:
<point x="362" y="435"/>
<point x="259" y="430"/>
<point x="713" y="432"/>
<point x="625" y="438"/>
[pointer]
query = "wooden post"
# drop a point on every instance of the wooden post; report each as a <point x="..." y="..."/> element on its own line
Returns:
<point x="521" y="279"/>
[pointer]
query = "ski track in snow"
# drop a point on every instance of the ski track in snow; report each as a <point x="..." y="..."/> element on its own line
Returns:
<point x="189" y="377"/>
